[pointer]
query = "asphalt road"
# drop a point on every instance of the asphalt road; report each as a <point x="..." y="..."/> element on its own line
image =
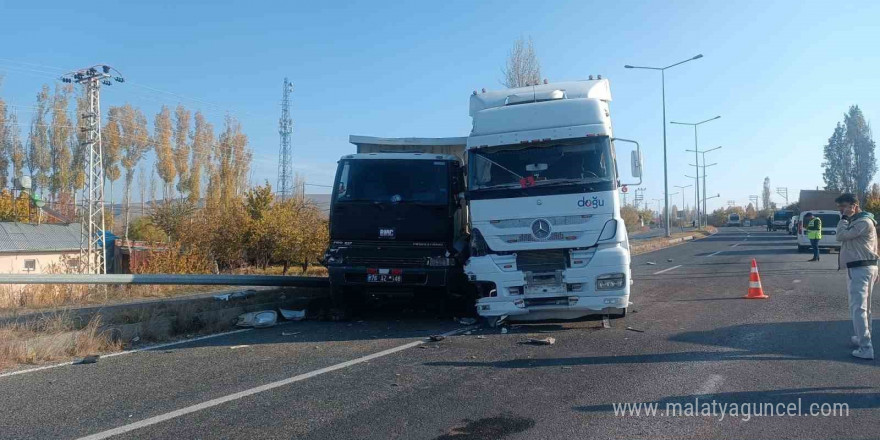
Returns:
<point x="696" y="338"/>
<point x="658" y="232"/>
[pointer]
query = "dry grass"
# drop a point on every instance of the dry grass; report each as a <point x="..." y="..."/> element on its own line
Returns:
<point x="18" y="298"/>
<point x="663" y="242"/>
<point x="54" y="337"/>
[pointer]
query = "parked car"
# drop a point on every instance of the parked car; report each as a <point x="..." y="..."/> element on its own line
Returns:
<point x="830" y="219"/>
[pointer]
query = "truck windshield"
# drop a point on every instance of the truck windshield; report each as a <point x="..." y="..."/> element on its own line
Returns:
<point x="565" y="162"/>
<point x="393" y="181"/>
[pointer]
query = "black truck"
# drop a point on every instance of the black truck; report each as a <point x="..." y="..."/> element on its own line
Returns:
<point x="397" y="228"/>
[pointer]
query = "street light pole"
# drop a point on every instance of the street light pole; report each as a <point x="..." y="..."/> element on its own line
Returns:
<point x="681" y="189"/>
<point x="696" y="151"/>
<point x="663" y="93"/>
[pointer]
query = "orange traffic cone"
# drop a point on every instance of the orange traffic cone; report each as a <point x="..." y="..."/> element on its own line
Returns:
<point x="755" y="289"/>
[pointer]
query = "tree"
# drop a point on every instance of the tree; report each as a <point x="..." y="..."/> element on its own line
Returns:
<point x="135" y="143"/>
<point x="111" y="146"/>
<point x="60" y="136"/>
<point x="202" y="142"/>
<point x="17" y="154"/>
<point x="78" y="167"/>
<point x="163" y="133"/>
<point x="872" y="200"/>
<point x="38" y="143"/>
<point x="522" y="67"/>
<point x="171" y="216"/>
<point x="230" y="164"/>
<point x="858" y="139"/>
<point x="751" y="212"/>
<point x="838" y="162"/>
<point x="765" y="194"/>
<point x="181" y="148"/>
<point x="5" y="142"/>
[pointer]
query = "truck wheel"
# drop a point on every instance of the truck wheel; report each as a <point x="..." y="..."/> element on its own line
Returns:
<point x="343" y="303"/>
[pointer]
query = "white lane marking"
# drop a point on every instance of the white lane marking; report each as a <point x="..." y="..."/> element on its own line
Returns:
<point x="269" y="386"/>
<point x="235" y="347"/>
<point x="667" y="270"/>
<point x="714" y="254"/>
<point x="711" y="385"/>
<point x="796" y="281"/>
<point x="120" y="353"/>
<point x="735" y="245"/>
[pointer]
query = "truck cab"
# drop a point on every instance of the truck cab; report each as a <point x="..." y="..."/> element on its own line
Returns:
<point x="396" y="226"/>
<point x="547" y="238"/>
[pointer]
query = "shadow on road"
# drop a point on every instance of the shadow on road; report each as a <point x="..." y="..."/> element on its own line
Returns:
<point x="786" y="341"/>
<point x="853" y="397"/>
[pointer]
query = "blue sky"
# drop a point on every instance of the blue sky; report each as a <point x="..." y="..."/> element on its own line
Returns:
<point x="780" y="74"/>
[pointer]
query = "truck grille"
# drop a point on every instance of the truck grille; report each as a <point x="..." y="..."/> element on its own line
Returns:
<point x="564" y="220"/>
<point x="548" y="260"/>
<point x="387" y="262"/>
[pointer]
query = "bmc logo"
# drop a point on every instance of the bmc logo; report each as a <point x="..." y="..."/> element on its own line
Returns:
<point x="594" y="203"/>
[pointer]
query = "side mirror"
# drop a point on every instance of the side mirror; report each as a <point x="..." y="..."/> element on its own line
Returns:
<point x="636" y="160"/>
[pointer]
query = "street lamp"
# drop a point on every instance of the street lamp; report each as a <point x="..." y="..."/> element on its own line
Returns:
<point x="681" y="189"/>
<point x="663" y="88"/>
<point x="696" y="158"/>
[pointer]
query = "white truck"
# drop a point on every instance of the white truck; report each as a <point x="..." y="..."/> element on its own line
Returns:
<point x="547" y="237"/>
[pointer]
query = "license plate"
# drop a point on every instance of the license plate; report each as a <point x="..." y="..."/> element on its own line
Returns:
<point x="383" y="278"/>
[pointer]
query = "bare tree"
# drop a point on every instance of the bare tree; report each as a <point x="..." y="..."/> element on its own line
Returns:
<point x="522" y="68"/>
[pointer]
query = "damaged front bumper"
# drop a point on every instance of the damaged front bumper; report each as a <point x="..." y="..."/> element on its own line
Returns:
<point x="600" y="287"/>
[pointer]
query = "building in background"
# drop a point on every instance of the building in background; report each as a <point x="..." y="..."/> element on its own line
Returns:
<point x="38" y="249"/>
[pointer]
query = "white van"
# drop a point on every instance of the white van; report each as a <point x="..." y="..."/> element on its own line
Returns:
<point x="830" y="219"/>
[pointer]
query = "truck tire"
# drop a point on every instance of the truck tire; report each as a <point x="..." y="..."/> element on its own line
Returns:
<point x="344" y="302"/>
<point x="618" y="315"/>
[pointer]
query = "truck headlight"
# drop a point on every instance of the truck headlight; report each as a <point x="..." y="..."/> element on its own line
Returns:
<point x="610" y="281"/>
<point x="441" y="261"/>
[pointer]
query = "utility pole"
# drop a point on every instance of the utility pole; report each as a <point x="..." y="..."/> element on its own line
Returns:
<point x="640" y="197"/>
<point x="92" y="245"/>
<point x="285" y="156"/>
<point x="663" y="92"/>
<point x="696" y="151"/>
<point x="783" y="191"/>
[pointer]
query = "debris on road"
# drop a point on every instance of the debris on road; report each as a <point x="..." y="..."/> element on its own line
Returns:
<point x="293" y="315"/>
<point x="235" y="295"/>
<point x="651" y="263"/>
<point x="545" y="341"/>
<point x="467" y="321"/>
<point x="606" y="321"/>
<point x="290" y="333"/>
<point x="504" y="330"/>
<point x="90" y="359"/>
<point x="635" y="330"/>
<point x="263" y="319"/>
<point x="235" y="347"/>
<point x="481" y="337"/>
<point x="669" y="260"/>
<point x="437" y="338"/>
